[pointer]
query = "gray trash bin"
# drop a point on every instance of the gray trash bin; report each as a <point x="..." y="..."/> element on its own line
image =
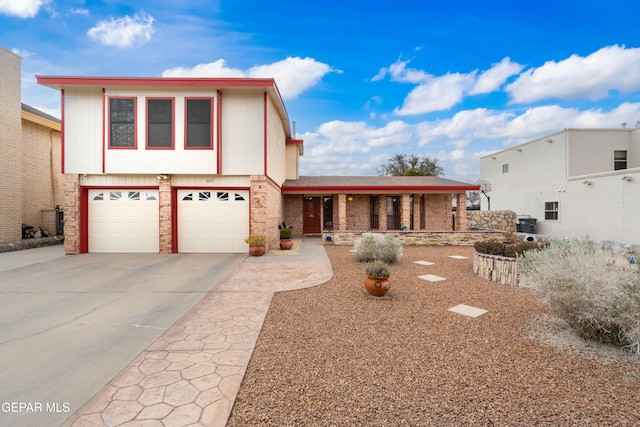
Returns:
<point x="528" y="225"/>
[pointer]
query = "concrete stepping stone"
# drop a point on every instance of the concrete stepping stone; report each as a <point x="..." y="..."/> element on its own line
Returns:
<point x="431" y="278"/>
<point x="424" y="262"/>
<point x="458" y="257"/>
<point x="467" y="310"/>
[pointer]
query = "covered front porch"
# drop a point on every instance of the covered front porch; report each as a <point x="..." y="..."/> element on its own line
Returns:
<point x="316" y="205"/>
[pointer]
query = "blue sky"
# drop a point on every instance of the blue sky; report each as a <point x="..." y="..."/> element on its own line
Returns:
<point x="362" y="80"/>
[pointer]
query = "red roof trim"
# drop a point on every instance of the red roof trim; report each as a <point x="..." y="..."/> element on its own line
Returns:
<point x="154" y="81"/>
<point x="295" y="141"/>
<point x="395" y="188"/>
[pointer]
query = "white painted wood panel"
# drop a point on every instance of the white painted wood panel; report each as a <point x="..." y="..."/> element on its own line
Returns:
<point x="242" y="134"/>
<point x="83" y="131"/>
<point x="276" y="145"/>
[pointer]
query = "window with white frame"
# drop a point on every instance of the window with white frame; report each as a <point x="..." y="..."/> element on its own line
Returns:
<point x="619" y="160"/>
<point x="551" y="210"/>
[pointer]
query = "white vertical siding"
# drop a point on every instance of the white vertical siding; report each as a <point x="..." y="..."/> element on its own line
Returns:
<point x="242" y="133"/>
<point x="276" y="145"/>
<point x="83" y="131"/>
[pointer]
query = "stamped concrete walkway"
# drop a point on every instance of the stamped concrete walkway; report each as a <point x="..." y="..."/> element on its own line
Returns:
<point x="190" y="376"/>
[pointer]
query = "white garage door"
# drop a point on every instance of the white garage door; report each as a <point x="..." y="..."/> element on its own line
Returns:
<point x="124" y="221"/>
<point x="213" y="221"/>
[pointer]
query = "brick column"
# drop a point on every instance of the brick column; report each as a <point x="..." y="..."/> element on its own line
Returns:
<point x="461" y="212"/>
<point x="382" y="212"/>
<point x="72" y="214"/>
<point x="405" y="212"/>
<point x="166" y="217"/>
<point x="342" y="211"/>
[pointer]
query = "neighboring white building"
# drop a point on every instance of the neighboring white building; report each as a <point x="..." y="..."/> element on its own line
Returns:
<point x="576" y="183"/>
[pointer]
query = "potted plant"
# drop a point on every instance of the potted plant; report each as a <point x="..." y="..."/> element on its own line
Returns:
<point x="257" y="245"/>
<point x="286" y="241"/>
<point x="377" y="280"/>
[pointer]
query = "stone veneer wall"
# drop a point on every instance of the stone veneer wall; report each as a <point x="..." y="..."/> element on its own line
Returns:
<point x="72" y="214"/>
<point x="416" y="238"/>
<point x="499" y="269"/>
<point x="493" y="220"/>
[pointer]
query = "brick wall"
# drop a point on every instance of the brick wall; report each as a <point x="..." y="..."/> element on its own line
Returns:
<point x="266" y="209"/>
<point x="72" y="214"/>
<point x="438" y="212"/>
<point x="10" y="148"/>
<point x="293" y="213"/>
<point x="166" y="237"/>
<point x="43" y="183"/>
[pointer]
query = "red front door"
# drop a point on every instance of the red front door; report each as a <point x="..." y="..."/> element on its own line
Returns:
<point x="311" y="215"/>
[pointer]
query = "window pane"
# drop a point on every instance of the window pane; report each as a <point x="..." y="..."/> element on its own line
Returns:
<point x="198" y="123"/>
<point x="619" y="160"/>
<point x="159" y="123"/>
<point x="122" y="120"/>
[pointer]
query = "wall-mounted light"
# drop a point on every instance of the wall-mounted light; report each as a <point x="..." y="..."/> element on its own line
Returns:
<point x="493" y="157"/>
<point x="626" y="178"/>
<point x="349" y="198"/>
<point x="587" y="182"/>
<point x="519" y="150"/>
<point x="162" y="176"/>
<point x="549" y="140"/>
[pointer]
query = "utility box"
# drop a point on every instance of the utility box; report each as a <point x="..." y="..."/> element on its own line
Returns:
<point x="527" y="225"/>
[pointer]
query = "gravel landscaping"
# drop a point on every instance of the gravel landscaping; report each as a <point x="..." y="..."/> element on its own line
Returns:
<point x="331" y="356"/>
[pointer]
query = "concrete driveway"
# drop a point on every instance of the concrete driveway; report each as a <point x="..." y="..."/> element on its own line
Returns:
<point x="69" y="324"/>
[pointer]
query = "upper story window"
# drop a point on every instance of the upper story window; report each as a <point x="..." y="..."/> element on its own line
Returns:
<point x="619" y="160"/>
<point x="198" y="123"/>
<point x="505" y="168"/>
<point x="159" y="123"/>
<point x="122" y="114"/>
<point x="551" y="210"/>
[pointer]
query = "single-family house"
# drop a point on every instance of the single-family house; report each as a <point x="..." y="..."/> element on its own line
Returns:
<point x="574" y="183"/>
<point x="31" y="184"/>
<point x="174" y="165"/>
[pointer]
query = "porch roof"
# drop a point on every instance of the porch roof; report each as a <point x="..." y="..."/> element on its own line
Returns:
<point x="375" y="185"/>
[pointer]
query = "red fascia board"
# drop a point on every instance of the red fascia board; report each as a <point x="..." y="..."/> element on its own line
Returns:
<point x="59" y="81"/>
<point x="295" y="141"/>
<point x="399" y="189"/>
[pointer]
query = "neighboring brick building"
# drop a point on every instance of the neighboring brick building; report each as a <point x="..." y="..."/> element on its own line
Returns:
<point x="31" y="181"/>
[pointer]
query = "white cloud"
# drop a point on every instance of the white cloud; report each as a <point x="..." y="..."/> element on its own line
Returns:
<point x="21" y="8"/>
<point x="436" y="94"/>
<point x="123" y="32"/>
<point x="591" y="77"/>
<point x="79" y="11"/>
<point x="493" y="78"/>
<point x="217" y="68"/>
<point x="22" y="53"/>
<point x="293" y="75"/>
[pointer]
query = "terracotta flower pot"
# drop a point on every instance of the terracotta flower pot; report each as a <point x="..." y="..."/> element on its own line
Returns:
<point x="377" y="286"/>
<point x="286" y="244"/>
<point x="257" y="250"/>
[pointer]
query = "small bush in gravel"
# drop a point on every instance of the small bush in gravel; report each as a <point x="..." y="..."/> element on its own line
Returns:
<point x="377" y="268"/>
<point x="492" y="247"/>
<point x="583" y="286"/>
<point x="385" y="247"/>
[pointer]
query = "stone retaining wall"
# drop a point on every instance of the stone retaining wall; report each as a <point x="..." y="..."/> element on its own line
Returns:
<point x="493" y="220"/>
<point x="496" y="268"/>
<point x="416" y="238"/>
<point x="31" y="243"/>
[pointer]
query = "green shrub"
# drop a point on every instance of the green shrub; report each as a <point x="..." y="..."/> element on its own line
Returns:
<point x="581" y="284"/>
<point x="385" y="247"/>
<point x="492" y="247"/>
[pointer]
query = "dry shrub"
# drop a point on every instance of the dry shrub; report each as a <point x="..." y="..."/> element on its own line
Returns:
<point x="581" y="284"/>
<point x="374" y="246"/>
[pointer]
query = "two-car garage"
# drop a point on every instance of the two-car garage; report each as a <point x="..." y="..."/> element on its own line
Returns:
<point x="127" y="220"/>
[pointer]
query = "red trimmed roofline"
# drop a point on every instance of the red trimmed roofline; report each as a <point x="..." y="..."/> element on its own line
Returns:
<point x="395" y="188"/>
<point x="295" y="141"/>
<point x="155" y="81"/>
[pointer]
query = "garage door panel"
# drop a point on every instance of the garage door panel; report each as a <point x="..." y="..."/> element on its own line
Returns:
<point x="213" y="221"/>
<point x="124" y="221"/>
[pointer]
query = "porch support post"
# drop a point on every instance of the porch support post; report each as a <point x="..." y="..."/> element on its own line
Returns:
<point x="72" y="218"/>
<point x="405" y="217"/>
<point x="382" y="212"/>
<point x="461" y="212"/>
<point x="166" y="222"/>
<point x="342" y="211"/>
